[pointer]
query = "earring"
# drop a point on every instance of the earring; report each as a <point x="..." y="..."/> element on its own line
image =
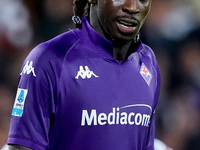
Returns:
<point x="76" y="20"/>
<point x="92" y="1"/>
<point x="137" y="38"/>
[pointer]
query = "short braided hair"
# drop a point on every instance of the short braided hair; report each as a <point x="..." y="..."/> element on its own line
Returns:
<point x="80" y="9"/>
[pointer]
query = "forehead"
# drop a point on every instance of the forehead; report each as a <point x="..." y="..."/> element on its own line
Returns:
<point x="117" y="2"/>
<point x="120" y="2"/>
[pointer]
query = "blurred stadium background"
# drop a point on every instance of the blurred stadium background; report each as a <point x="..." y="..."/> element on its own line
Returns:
<point x="172" y="30"/>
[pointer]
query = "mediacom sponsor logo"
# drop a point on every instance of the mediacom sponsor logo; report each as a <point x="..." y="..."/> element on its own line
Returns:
<point x="114" y="118"/>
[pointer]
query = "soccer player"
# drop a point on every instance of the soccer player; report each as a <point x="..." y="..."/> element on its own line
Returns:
<point x="93" y="88"/>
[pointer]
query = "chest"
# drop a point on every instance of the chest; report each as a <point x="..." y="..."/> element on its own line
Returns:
<point x="94" y="87"/>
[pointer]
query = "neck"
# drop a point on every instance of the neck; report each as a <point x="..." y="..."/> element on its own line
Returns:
<point x="120" y="52"/>
<point x="121" y="48"/>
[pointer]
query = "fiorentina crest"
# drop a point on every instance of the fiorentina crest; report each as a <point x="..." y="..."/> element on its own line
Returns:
<point x="146" y="74"/>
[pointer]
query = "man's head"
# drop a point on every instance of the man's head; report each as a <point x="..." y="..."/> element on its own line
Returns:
<point x="118" y="19"/>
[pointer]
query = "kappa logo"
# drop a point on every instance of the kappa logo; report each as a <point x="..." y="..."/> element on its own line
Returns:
<point x="85" y="73"/>
<point x="28" y="68"/>
<point x="146" y="74"/>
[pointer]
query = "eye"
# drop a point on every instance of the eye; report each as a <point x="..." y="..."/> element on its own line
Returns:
<point x="143" y="1"/>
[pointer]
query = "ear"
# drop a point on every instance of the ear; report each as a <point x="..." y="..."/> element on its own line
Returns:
<point x="92" y="1"/>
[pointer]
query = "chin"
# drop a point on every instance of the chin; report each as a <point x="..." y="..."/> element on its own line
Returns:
<point x="121" y="41"/>
<point x="122" y="38"/>
<point x="126" y="37"/>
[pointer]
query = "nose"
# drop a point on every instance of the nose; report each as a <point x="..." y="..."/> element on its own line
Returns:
<point x="131" y="6"/>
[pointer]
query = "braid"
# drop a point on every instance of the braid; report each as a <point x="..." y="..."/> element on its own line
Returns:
<point x="80" y="8"/>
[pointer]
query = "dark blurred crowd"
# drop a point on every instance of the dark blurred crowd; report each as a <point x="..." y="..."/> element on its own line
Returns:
<point x="172" y="30"/>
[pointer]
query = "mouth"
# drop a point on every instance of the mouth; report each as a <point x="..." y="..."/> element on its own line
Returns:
<point x="127" y="25"/>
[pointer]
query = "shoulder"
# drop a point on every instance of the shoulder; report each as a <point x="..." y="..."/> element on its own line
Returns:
<point x="58" y="45"/>
<point x="48" y="56"/>
<point x="54" y="49"/>
<point x="148" y="52"/>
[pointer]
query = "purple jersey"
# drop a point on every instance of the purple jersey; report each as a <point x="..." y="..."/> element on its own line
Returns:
<point x="73" y="95"/>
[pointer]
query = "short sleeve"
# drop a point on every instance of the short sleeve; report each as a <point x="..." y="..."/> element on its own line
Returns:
<point x="34" y="103"/>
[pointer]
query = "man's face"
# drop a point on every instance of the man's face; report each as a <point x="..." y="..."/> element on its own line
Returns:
<point x="122" y="19"/>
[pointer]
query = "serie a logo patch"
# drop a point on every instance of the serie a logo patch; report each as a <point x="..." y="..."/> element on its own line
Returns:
<point x="19" y="102"/>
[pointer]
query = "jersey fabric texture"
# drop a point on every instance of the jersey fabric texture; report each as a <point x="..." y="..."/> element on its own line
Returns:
<point x="73" y="95"/>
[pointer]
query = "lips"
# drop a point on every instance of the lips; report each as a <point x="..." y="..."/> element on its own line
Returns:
<point x="127" y="25"/>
